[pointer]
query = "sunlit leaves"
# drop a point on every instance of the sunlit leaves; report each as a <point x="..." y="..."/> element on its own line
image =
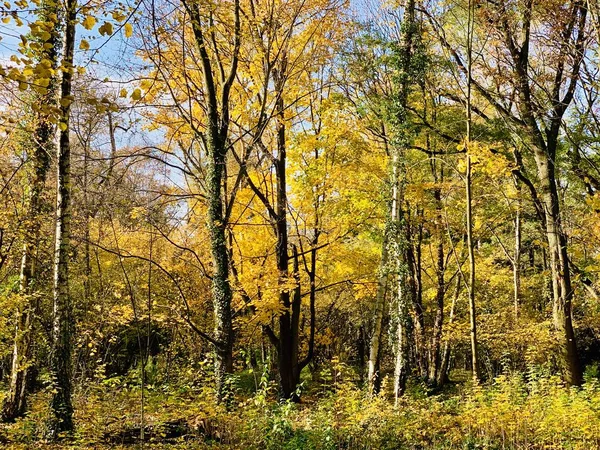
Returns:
<point x="89" y="22"/>
<point x="128" y="29"/>
<point x="106" y="29"/>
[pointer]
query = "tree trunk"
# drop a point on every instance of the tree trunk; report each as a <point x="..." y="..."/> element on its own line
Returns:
<point x="288" y="342"/>
<point x="517" y="257"/>
<point x="372" y="374"/>
<point x="562" y="290"/>
<point x="398" y="261"/>
<point x="434" y="363"/>
<point x="415" y="291"/>
<point x="445" y="363"/>
<point x="221" y="288"/>
<point x="468" y="191"/>
<point x="217" y="131"/>
<point x="402" y="342"/>
<point x="43" y="146"/>
<point x="62" y="329"/>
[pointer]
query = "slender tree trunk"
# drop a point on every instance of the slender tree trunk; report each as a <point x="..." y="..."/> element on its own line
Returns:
<point x="43" y="146"/>
<point x="468" y="189"/>
<point x="398" y="262"/>
<point x="288" y="342"/>
<point x="445" y="363"/>
<point x="517" y="257"/>
<point x="62" y="329"/>
<point x="402" y="341"/>
<point x="434" y="363"/>
<point x="415" y="292"/>
<point x="372" y="374"/>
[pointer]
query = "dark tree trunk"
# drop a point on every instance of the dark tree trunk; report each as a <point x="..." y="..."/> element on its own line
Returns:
<point x="415" y="292"/>
<point x="436" y="339"/>
<point x="217" y="131"/>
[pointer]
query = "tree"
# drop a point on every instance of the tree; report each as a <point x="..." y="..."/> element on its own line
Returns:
<point x="46" y="34"/>
<point x="536" y="122"/>
<point x="62" y="320"/>
<point x="207" y="86"/>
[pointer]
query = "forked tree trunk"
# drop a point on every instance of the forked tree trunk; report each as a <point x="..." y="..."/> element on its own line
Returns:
<point x="217" y="132"/>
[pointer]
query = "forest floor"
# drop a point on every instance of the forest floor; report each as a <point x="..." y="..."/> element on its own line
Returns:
<point x="510" y="412"/>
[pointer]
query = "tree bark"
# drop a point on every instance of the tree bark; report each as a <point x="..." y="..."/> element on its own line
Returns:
<point x="435" y="362"/>
<point x="372" y="374"/>
<point x="562" y="290"/>
<point x="217" y="131"/>
<point x="43" y="146"/>
<point x="62" y="327"/>
<point x="442" y="377"/>
<point x="415" y="291"/>
<point x="468" y="192"/>
<point x="516" y="260"/>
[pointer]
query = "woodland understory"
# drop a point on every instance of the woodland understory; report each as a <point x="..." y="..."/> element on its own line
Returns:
<point x="300" y="224"/>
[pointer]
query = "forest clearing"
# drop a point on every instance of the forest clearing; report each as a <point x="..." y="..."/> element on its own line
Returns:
<point x="300" y="224"/>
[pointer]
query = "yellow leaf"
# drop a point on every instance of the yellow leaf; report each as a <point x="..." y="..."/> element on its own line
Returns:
<point x="106" y="28"/>
<point x="62" y="126"/>
<point x="118" y="16"/>
<point x="89" y="22"/>
<point x="84" y="45"/>
<point x="136" y="94"/>
<point x="128" y="30"/>
<point x="123" y="93"/>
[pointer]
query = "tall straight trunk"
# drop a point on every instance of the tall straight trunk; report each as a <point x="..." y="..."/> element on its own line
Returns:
<point x="398" y="245"/>
<point x="373" y="378"/>
<point x="516" y="260"/>
<point x="544" y="143"/>
<point x="221" y="288"/>
<point x="468" y="192"/>
<point x="375" y="343"/>
<point x="442" y="376"/>
<point x="400" y="293"/>
<point x="288" y="343"/>
<point x="402" y="341"/>
<point x="43" y="146"/>
<point x="562" y="290"/>
<point x="415" y="291"/>
<point x="287" y="350"/>
<point x="62" y="324"/>
<point x="434" y="363"/>
<point x="545" y="146"/>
